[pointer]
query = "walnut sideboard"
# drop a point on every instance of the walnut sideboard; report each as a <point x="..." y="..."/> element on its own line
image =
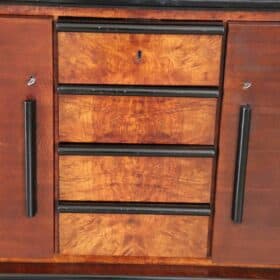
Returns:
<point x="139" y="139"/>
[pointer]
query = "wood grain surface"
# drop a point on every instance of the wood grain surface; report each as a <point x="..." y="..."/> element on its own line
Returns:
<point x="148" y="270"/>
<point x="252" y="56"/>
<point x="138" y="13"/>
<point x="133" y="235"/>
<point x="135" y="179"/>
<point x="123" y="119"/>
<point x="25" y="50"/>
<point x="105" y="58"/>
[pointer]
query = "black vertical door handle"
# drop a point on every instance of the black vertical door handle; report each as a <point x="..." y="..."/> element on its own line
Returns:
<point x="30" y="156"/>
<point x="241" y="164"/>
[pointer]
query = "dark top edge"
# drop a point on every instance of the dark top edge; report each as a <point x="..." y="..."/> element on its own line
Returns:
<point x="161" y="27"/>
<point x="199" y="209"/>
<point x="201" y="92"/>
<point x="136" y="150"/>
<point x="19" y="276"/>
<point x="195" y="4"/>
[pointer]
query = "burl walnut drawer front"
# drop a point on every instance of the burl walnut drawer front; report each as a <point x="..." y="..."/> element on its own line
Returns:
<point x="122" y="53"/>
<point x="123" y="178"/>
<point x="137" y="119"/>
<point x="133" y="235"/>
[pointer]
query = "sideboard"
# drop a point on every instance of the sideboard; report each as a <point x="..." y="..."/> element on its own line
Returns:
<point x="139" y="139"/>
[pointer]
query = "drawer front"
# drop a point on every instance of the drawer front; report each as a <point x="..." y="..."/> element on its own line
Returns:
<point x="135" y="119"/>
<point x="133" y="235"/>
<point x="143" y="59"/>
<point x="150" y="179"/>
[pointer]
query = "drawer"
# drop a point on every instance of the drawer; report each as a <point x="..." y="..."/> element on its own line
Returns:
<point x="170" y="55"/>
<point x="133" y="235"/>
<point x="143" y="179"/>
<point x="137" y="119"/>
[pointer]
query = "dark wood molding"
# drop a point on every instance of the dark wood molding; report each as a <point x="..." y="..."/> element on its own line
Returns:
<point x="132" y="26"/>
<point x="136" y="150"/>
<point x="126" y="90"/>
<point x="196" y="4"/>
<point x="199" y="209"/>
<point x="88" y="277"/>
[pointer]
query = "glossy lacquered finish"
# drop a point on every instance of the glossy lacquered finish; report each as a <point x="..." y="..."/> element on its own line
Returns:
<point x="26" y="50"/>
<point x="251" y="77"/>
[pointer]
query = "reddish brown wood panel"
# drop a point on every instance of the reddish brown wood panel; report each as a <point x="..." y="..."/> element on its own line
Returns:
<point x="252" y="56"/>
<point x="142" y="13"/>
<point x="193" y="270"/>
<point x="153" y="179"/>
<point x="133" y="235"/>
<point x="96" y="58"/>
<point x="26" y="49"/>
<point x="135" y="119"/>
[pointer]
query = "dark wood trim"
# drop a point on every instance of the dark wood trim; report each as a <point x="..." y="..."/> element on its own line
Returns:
<point x="202" y="209"/>
<point x="87" y="277"/>
<point x="112" y="90"/>
<point x="132" y="26"/>
<point x="148" y="270"/>
<point x="136" y="150"/>
<point x="193" y="4"/>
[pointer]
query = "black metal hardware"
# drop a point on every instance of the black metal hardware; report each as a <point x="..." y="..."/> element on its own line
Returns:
<point x="131" y="26"/>
<point x="241" y="164"/>
<point x="136" y="150"/>
<point x="202" y="209"/>
<point x="77" y="89"/>
<point x="30" y="156"/>
<point x="190" y="4"/>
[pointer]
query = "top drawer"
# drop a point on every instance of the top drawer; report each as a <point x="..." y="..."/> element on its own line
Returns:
<point x="139" y="54"/>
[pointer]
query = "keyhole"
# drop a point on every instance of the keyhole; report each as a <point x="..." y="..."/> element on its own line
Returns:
<point x="139" y="55"/>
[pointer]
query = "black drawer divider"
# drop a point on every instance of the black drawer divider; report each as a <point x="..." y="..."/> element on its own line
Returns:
<point x="124" y="90"/>
<point x="143" y="27"/>
<point x="136" y="150"/>
<point x="189" y="209"/>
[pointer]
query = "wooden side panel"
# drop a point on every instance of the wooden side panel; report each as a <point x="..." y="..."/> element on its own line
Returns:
<point x="135" y="119"/>
<point x="103" y="58"/>
<point x="25" y="50"/>
<point x="133" y="235"/>
<point x="135" y="179"/>
<point x="252" y="56"/>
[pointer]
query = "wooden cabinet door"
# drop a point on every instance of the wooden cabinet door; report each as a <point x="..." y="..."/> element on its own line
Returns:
<point x="26" y="137"/>
<point x="247" y="218"/>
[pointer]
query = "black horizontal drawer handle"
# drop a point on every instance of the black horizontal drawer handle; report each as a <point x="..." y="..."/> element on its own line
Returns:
<point x="199" y="209"/>
<point x="30" y="156"/>
<point x="129" y="26"/>
<point x="136" y="150"/>
<point x="112" y="90"/>
<point x="241" y="164"/>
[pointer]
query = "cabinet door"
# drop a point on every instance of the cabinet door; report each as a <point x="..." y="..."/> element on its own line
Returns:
<point x="247" y="218"/>
<point x="26" y="137"/>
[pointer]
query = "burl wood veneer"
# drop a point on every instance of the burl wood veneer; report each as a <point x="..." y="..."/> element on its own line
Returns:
<point x="154" y="179"/>
<point x="166" y="59"/>
<point x="134" y="119"/>
<point x="133" y="235"/>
